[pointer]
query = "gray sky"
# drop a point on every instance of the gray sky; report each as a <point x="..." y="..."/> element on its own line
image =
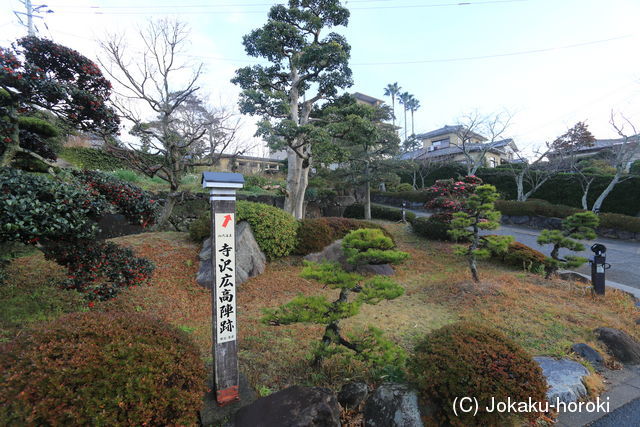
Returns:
<point x="549" y="62"/>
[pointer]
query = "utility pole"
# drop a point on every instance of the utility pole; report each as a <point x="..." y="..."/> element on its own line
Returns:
<point x="31" y="12"/>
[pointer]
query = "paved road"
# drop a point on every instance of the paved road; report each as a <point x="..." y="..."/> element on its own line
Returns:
<point x="626" y="415"/>
<point x="623" y="256"/>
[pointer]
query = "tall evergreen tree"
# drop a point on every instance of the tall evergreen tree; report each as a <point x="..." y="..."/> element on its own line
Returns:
<point x="305" y="69"/>
<point x="405" y="100"/>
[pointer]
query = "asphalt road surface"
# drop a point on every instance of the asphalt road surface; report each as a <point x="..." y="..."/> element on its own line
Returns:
<point x="623" y="256"/>
<point x="626" y="415"/>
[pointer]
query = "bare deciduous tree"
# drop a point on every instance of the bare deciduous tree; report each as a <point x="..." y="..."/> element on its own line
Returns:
<point x="472" y="128"/>
<point x="183" y="131"/>
<point x="620" y="156"/>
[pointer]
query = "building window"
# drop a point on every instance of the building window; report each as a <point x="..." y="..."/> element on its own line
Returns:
<point x="492" y="162"/>
<point x="440" y="143"/>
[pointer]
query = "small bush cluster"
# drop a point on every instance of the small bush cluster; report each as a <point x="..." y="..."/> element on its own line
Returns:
<point x="274" y="229"/>
<point x="620" y="222"/>
<point x="315" y="234"/>
<point x="418" y="196"/>
<point x="371" y="246"/>
<point x="106" y="369"/>
<point x="35" y="208"/>
<point x="378" y="212"/>
<point x="448" y="195"/>
<point x="136" y="205"/>
<point x="467" y="359"/>
<point x="435" y="227"/>
<point x="100" y="270"/>
<point x="522" y="256"/>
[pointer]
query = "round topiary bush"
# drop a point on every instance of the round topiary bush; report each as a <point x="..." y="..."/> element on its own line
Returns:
<point x="106" y="369"/>
<point x="313" y="236"/>
<point x="371" y="246"/>
<point x="274" y="229"/>
<point x="466" y="359"/>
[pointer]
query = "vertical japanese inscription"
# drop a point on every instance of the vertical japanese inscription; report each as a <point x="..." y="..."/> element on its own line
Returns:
<point x="225" y="265"/>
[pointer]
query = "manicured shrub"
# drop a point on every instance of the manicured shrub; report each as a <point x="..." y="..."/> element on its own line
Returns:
<point x="274" y="229"/>
<point x="36" y="208"/>
<point x="533" y="207"/>
<point x="449" y="195"/>
<point x="419" y="196"/>
<point x="378" y="212"/>
<point x="522" y="256"/>
<point x="404" y="187"/>
<point x="100" y="270"/>
<point x="620" y="222"/>
<point x="106" y="369"/>
<point x="467" y="359"/>
<point x="435" y="227"/>
<point x="138" y="206"/>
<point x="371" y="246"/>
<point x="91" y="159"/>
<point x="315" y="234"/>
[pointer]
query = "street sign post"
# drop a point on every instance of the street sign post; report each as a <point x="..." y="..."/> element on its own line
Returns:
<point x="223" y="186"/>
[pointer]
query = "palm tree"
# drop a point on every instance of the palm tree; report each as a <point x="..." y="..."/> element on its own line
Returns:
<point x="405" y="100"/>
<point x="414" y="105"/>
<point x="392" y="90"/>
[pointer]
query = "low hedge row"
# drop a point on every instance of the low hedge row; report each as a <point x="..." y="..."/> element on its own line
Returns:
<point x="435" y="227"/>
<point x="315" y="234"/>
<point x="542" y="208"/>
<point x="91" y="159"/>
<point x="105" y="369"/>
<point x="378" y="212"/>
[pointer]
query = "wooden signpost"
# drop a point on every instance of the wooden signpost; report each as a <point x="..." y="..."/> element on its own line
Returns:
<point x="223" y="186"/>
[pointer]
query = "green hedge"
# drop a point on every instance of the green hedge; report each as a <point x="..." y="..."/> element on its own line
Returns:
<point x="562" y="189"/>
<point x="91" y="158"/>
<point x="378" y="212"/>
<point x="542" y="208"/>
<point x="314" y="234"/>
<point x="274" y="229"/>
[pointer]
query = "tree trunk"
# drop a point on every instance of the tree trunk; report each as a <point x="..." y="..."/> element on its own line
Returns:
<point x="297" y="179"/>
<point x="167" y="209"/>
<point x="520" y="187"/>
<point x="413" y="131"/>
<point x="472" y="255"/>
<point x="585" y="195"/>
<point x="614" y="181"/>
<point x="405" y="124"/>
<point x="393" y="110"/>
<point x="554" y="255"/>
<point x="367" y="201"/>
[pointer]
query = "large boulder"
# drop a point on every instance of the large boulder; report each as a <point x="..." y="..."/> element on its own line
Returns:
<point x="250" y="260"/>
<point x="392" y="405"/>
<point x="587" y="353"/>
<point x="564" y="377"/>
<point x="620" y="344"/>
<point x="353" y="394"/>
<point x="295" y="406"/>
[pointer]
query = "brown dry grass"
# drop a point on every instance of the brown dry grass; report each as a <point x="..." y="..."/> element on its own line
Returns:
<point x="544" y="317"/>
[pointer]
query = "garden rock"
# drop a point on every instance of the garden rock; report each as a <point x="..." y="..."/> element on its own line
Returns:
<point x="587" y="353"/>
<point x="250" y="260"/>
<point x="333" y="253"/>
<point x="295" y="406"/>
<point x="620" y="344"/>
<point x="392" y="405"/>
<point x="519" y="220"/>
<point x="564" y="377"/>
<point x="353" y="394"/>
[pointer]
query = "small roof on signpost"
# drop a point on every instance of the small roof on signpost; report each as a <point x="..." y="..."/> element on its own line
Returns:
<point x="222" y="179"/>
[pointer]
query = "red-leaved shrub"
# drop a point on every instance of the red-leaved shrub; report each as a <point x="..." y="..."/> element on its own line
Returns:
<point x="105" y="369"/>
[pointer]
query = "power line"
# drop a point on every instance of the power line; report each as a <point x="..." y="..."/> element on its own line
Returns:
<point x="152" y="10"/>
<point x="498" y="55"/>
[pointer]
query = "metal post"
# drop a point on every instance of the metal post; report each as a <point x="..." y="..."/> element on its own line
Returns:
<point x="223" y="290"/>
<point x="598" y="267"/>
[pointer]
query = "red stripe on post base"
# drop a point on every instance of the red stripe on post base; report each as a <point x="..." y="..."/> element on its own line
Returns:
<point x="227" y="395"/>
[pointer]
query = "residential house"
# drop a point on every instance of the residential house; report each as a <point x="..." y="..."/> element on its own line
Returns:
<point x="602" y="146"/>
<point x="248" y="164"/>
<point x="361" y="98"/>
<point x="445" y="145"/>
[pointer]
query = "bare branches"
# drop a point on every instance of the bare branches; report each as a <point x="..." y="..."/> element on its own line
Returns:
<point x="477" y="135"/>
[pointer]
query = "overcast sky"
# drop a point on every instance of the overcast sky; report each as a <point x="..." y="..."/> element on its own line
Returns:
<point x="550" y="63"/>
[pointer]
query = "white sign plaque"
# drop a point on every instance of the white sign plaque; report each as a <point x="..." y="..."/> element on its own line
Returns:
<point x="225" y="266"/>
